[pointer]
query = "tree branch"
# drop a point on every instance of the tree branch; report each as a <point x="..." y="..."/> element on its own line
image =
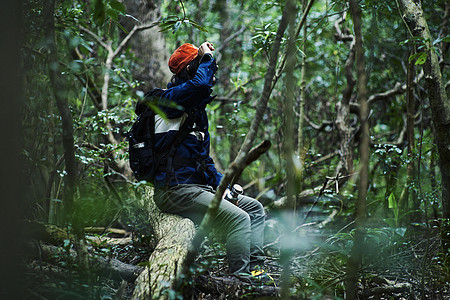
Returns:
<point x="397" y="89"/>
<point x="96" y="37"/>
<point x="126" y="39"/>
<point x="297" y="32"/>
<point x="253" y="155"/>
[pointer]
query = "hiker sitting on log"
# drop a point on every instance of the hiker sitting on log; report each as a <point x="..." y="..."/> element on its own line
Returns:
<point x="186" y="180"/>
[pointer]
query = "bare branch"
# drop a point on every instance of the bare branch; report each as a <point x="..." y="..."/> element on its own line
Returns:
<point x="96" y="37"/>
<point x="398" y="89"/>
<point x="318" y="127"/>
<point x="135" y="29"/>
<point x="253" y="155"/>
<point x="297" y="32"/>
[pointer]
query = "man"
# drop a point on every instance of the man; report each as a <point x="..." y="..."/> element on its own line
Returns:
<point x="188" y="187"/>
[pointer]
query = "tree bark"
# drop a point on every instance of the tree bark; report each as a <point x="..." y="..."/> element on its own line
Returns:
<point x="149" y="45"/>
<point x="301" y="150"/>
<point x="288" y="146"/>
<point x="345" y="165"/>
<point x="411" y="196"/>
<point x="174" y="235"/>
<point x="58" y="88"/>
<point x="412" y="14"/>
<point x="355" y="258"/>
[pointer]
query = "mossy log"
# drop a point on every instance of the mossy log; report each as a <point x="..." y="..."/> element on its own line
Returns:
<point x="107" y="267"/>
<point x="174" y="235"/>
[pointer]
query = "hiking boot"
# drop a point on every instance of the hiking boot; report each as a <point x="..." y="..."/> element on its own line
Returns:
<point x="261" y="276"/>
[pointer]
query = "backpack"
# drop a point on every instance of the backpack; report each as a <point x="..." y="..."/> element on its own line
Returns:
<point x="145" y="162"/>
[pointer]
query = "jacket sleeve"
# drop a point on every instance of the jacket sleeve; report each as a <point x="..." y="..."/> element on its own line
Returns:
<point x="214" y="182"/>
<point x="193" y="92"/>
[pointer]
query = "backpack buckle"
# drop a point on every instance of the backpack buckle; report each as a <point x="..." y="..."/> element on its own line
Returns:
<point x="139" y="145"/>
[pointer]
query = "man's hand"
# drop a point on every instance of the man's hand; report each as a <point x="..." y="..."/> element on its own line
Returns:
<point x="204" y="48"/>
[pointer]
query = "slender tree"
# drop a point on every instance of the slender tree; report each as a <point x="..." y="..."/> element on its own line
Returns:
<point x="413" y="16"/>
<point x="300" y="142"/>
<point x="288" y="147"/>
<point x="58" y="89"/>
<point x="355" y="259"/>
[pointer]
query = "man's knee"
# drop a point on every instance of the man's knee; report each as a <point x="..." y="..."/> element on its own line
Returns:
<point x="256" y="208"/>
<point x="241" y="220"/>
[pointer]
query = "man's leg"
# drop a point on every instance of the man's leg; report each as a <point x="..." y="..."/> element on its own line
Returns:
<point x="257" y="219"/>
<point x="192" y="201"/>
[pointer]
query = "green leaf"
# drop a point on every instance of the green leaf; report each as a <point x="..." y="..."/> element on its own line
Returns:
<point x="392" y="202"/>
<point x="413" y="39"/>
<point x="157" y="110"/>
<point x="112" y="14"/>
<point x="99" y="12"/>
<point x="422" y="58"/>
<point x="118" y="6"/>
<point x="393" y="205"/>
<point x="166" y="25"/>
<point x="121" y="27"/>
<point x="445" y="39"/>
<point x="196" y="25"/>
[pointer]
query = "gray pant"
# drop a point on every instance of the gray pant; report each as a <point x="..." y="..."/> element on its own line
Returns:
<point x="241" y="224"/>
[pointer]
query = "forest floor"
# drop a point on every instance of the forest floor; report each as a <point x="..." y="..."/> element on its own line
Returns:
<point x="398" y="264"/>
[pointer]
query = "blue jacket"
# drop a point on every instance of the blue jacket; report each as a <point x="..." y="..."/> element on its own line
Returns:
<point x="190" y="96"/>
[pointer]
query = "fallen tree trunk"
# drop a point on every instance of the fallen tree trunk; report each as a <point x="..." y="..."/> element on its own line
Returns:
<point x="174" y="235"/>
<point x="108" y="267"/>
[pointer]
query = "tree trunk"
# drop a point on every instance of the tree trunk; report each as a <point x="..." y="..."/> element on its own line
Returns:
<point x="411" y="196"/>
<point x="301" y="150"/>
<point x="226" y="58"/>
<point x="107" y="267"/>
<point x="174" y="235"/>
<point x="288" y="147"/>
<point x="148" y="45"/>
<point x="59" y="87"/>
<point x="412" y="14"/>
<point x="355" y="259"/>
<point x="219" y="286"/>
<point x="345" y="164"/>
